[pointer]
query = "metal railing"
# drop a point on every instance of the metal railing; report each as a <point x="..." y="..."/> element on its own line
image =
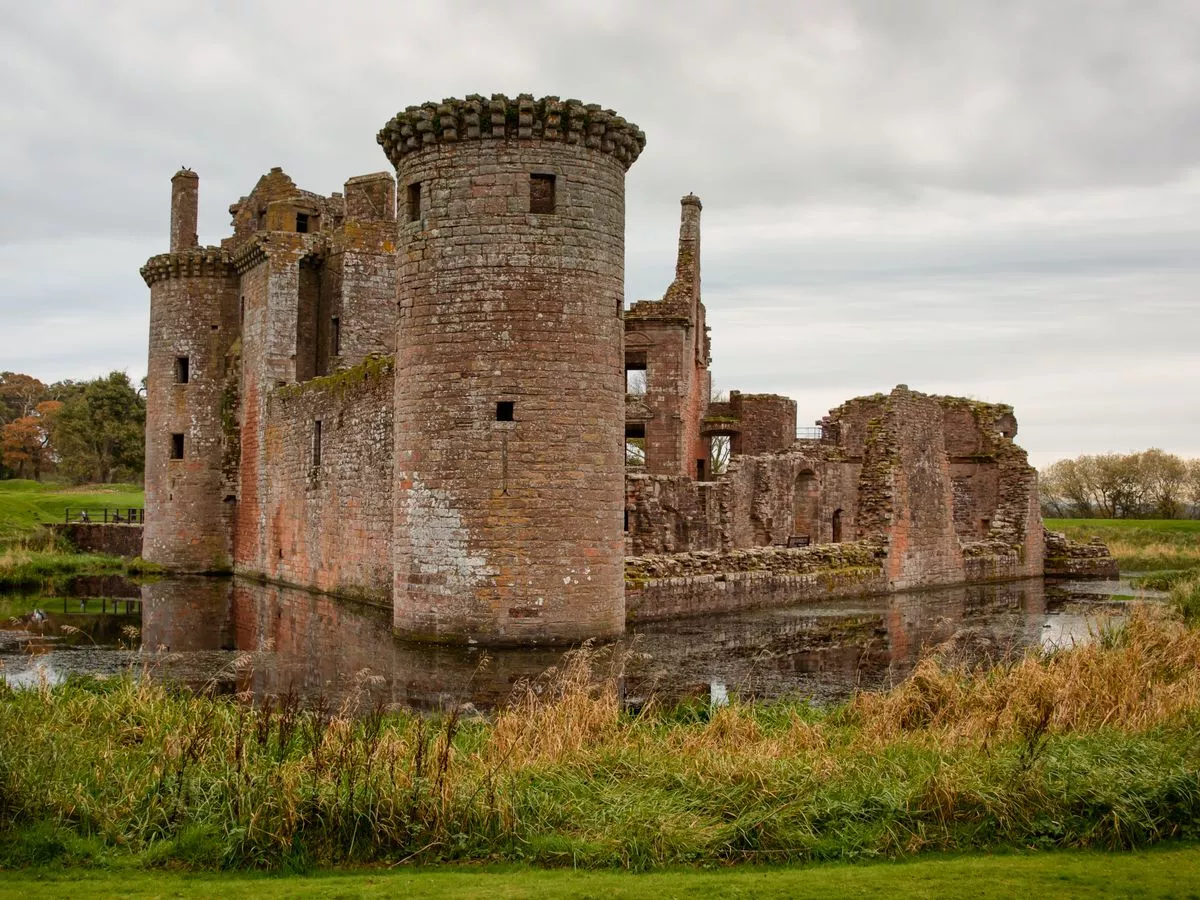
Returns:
<point x="127" y="515"/>
<point x="810" y="433"/>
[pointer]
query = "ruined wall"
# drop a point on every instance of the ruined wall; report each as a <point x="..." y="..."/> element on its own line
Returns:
<point x="328" y="501"/>
<point x="766" y="423"/>
<point x="510" y="390"/>
<point x="671" y="338"/>
<point x="757" y="501"/>
<point x="363" y="253"/>
<point x="938" y="481"/>
<point x="943" y="484"/>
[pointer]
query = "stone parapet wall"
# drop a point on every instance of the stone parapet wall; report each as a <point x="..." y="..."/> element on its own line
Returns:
<point x="95" y="537"/>
<point x="479" y="118"/>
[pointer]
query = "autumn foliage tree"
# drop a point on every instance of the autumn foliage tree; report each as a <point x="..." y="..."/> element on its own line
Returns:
<point x="25" y="442"/>
<point x="85" y="430"/>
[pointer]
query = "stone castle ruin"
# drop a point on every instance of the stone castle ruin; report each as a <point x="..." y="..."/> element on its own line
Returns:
<point x="413" y="393"/>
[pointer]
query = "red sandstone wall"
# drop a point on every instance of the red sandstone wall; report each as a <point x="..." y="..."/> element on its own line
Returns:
<point x="329" y="526"/>
<point x="766" y="422"/>
<point x="509" y="531"/>
<point x="192" y="314"/>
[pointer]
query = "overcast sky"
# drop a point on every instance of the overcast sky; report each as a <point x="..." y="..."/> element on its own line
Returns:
<point x="993" y="199"/>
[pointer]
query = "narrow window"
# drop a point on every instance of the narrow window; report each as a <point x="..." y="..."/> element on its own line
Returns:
<point x="302" y="223"/>
<point x="181" y="370"/>
<point x="316" y="442"/>
<point x="504" y="411"/>
<point x="242" y="310"/>
<point x="177" y="446"/>
<point x="335" y="335"/>
<point x="541" y="193"/>
<point x="414" y="202"/>
<point x="700" y="467"/>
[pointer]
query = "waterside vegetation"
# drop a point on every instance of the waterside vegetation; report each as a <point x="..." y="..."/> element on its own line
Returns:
<point x="1094" y="747"/>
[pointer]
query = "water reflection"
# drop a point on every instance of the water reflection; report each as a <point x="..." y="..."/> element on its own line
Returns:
<point x="241" y="636"/>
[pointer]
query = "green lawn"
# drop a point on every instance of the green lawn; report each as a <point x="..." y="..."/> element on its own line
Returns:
<point x="1140" y="545"/>
<point x="25" y="504"/>
<point x="1172" y="871"/>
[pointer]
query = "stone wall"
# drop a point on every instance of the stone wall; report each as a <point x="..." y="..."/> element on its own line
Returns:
<point x="96" y="537"/>
<point x="703" y="595"/>
<point x="1066" y="558"/>
<point x="510" y="395"/>
<point x="757" y="501"/>
<point x="193" y="323"/>
<point x="327" y="502"/>
<point x="766" y="423"/>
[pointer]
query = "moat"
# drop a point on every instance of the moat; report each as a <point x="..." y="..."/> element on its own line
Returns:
<point x="240" y="636"/>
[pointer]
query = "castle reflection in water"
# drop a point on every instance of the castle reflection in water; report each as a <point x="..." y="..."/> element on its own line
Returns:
<point x="235" y="636"/>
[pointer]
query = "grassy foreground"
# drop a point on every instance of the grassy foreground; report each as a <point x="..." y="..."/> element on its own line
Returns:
<point x="1140" y="545"/>
<point x="1096" y="747"/>
<point x="1171" y="871"/>
<point x="26" y="504"/>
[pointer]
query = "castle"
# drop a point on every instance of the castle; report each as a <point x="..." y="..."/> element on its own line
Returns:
<point x="414" y="393"/>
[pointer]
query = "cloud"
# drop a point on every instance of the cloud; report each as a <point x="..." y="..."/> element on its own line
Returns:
<point x="999" y="199"/>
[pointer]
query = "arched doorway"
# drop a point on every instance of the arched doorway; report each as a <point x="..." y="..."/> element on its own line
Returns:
<point x="805" y="499"/>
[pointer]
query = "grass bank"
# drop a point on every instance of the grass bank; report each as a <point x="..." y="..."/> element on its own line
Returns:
<point x="48" y="567"/>
<point x="26" y="504"/>
<point x="1140" y="545"/>
<point x="1171" y="871"/>
<point x="1096" y="747"/>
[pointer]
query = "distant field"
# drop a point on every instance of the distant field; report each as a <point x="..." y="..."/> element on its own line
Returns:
<point x="27" y="504"/>
<point x="1140" y="545"/>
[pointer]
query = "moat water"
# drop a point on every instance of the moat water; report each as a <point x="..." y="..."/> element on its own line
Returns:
<point x="257" y="640"/>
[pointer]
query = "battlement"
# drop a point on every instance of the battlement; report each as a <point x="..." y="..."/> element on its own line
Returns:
<point x="201" y="262"/>
<point x="520" y="118"/>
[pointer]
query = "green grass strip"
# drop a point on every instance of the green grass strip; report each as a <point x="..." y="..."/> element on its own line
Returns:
<point x="1172" y="871"/>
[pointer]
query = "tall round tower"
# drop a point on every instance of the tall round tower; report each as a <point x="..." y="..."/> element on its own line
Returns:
<point x="193" y="322"/>
<point x="509" y="425"/>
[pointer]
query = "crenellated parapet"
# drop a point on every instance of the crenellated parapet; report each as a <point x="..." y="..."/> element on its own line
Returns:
<point x="518" y="118"/>
<point x="199" y="263"/>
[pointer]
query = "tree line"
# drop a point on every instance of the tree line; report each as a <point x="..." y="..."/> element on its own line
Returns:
<point x="84" y="431"/>
<point x="1147" y="485"/>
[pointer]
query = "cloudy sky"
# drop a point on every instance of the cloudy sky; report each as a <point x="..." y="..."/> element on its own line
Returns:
<point x="992" y="198"/>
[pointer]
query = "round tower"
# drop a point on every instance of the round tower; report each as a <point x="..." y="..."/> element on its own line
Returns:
<point x="193" y="301"/>
<point x="510" y="386"/>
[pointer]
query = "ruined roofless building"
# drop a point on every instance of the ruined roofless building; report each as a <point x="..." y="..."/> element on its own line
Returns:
<point x="476" y="482"/>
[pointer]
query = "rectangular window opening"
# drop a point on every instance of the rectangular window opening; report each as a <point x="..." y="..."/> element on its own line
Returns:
<point x="414" y="202"/>
<point x="541" y="193"/>
<point x="701" y="469"/>
<point x="177" y="446"/>
<point x="335" y="329"/>
<point x="181" y="370"/>
<point x="302" y="223"/>
<point x="316" y="450"/>
<point x="504" y="411"/>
